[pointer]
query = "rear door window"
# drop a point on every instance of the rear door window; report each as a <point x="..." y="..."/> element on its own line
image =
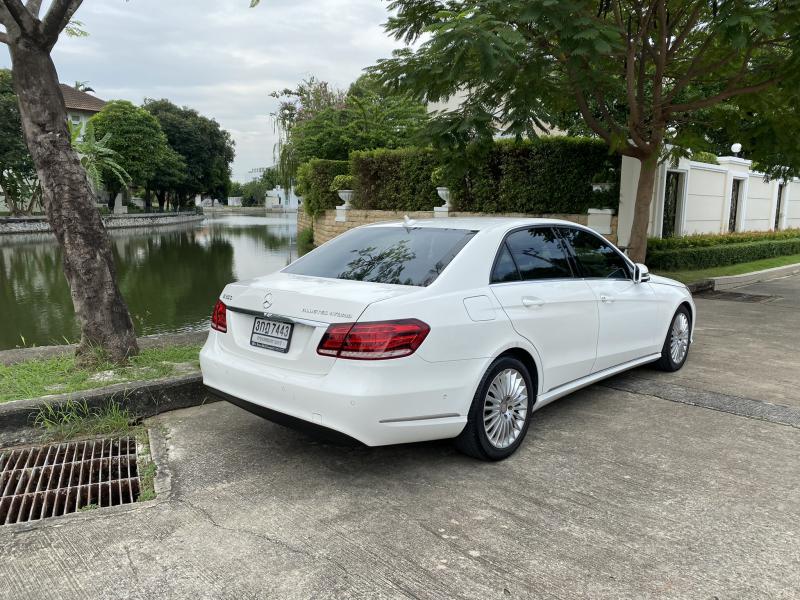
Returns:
<point x="539" y="254"/>
<point x="399" y="255"/>
<point x="595" y="257"/>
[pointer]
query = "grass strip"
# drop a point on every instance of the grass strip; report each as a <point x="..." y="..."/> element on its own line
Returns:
<point x="60" y="374"/>
<point x="692" y="276"/>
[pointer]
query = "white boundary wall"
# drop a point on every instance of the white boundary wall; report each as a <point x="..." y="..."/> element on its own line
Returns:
<point x="704" y="198"/>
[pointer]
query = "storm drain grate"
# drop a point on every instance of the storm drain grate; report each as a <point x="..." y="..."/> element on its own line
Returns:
<point x="58" y="479"/>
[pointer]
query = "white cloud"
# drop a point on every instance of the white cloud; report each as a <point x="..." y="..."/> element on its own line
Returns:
<point x="221" y="57"/>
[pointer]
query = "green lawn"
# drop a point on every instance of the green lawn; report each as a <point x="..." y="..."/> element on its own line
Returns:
<point x="756" y="265"/>
<point x="60" y="374"/>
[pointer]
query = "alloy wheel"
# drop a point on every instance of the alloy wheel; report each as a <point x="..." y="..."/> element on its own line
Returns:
<point x="505" y="408"/>
<point x="679" y="338"/>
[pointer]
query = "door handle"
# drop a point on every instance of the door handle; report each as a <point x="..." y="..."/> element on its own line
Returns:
<point x="532" y="302"/>
<point x="607" y="299"/>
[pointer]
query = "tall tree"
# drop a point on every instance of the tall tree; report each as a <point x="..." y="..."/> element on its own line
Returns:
<point x="636" y="71"/>
<point x="68" y="199"/>
<point x="206" y="148"/>
<point x="17" y="172"/>
<point x="136" y="136"/>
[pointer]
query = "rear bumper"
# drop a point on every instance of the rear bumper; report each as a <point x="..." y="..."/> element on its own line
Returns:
<point x="377" y="403"/>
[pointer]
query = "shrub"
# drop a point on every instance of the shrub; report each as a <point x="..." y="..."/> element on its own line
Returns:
<point x="314" y="180"/>
<point x="394" y="179"/>
<point x="715" y="239"/>
<point x="548" y="175"/>
<point x="700" y="257"/>
<point x="705" y="157"/>
<point x="305" y="241"/>
<point x="343" y="182"/>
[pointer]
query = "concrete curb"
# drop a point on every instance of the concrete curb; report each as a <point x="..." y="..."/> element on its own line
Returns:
<point x="732" y="281"/>
<point x="143" y="399"/>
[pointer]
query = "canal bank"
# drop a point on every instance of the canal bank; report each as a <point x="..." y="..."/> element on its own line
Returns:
<point x="23" y="225"/>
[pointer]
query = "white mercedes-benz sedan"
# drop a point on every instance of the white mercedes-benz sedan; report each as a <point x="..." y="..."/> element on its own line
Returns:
<point x="444" y="328"/>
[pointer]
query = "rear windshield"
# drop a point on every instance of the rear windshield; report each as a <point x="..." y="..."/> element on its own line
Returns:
<point x="401" y="255"/>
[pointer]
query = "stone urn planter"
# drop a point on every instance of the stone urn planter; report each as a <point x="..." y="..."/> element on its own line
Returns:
<point x="346" y="196"/>
<point x="444" y="194"/>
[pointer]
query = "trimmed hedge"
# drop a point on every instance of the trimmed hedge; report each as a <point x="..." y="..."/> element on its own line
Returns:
<point x="394" y="179"/>
<point x="314" y="180"/>
<point x="715" y="239"/>
<point x="701" y="257"/>
<point x="548" y="175"/>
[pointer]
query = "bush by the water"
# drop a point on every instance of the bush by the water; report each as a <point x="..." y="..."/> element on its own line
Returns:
<point x="703" y="256"/>
<point x="314" y="180"/>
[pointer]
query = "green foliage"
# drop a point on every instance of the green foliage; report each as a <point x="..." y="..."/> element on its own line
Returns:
<point x="136" y="136"/>
<point x="713" y="239"/>
<point x="305" y="241"/>
<point x="314" y="180"/>
<point x="394" y="179"/>
<point x="551" y="175"/>
<point x="101" y="162"/>
<point x="254" y="192"/>
<point x="548" y="175"/>
<point x="700" y="257"/>
<point x="322" y="122"/>
<point x="343" y="182"/>
<point x="705" y="157"/>
<point x="206" y="149"/>
<point x="17" y="173"/>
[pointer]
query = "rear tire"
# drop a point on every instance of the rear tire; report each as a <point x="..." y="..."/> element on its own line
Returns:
<point x="675" y="350"/>
<point x="500" y="412"/>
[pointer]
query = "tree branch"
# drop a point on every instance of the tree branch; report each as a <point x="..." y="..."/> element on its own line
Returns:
<point x="724" y="95"/>
<point x="3" y="37"/>
<point x="34" y="6"/>
<point x="58" y="17"/>
<point x="27" y="23"/>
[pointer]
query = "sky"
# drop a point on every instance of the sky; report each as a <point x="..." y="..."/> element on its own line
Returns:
<point x="221" y="57"/>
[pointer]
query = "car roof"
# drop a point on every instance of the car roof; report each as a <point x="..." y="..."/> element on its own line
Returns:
<point x="475" y="223"/>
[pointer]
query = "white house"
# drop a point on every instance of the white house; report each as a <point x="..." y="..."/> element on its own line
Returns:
<point x="697" y="197"/>
<point x="80" y="106"/>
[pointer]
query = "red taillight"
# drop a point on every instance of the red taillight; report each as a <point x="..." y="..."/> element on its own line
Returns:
<point x="219" y="317"/>
<point x="373" y="341"/>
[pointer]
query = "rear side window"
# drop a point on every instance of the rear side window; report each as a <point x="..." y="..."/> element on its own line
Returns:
<point x="595" y="256"/>
<point x="504" y="267"/>
<point x="399" y="255"/>
<point x="539" y="254"/>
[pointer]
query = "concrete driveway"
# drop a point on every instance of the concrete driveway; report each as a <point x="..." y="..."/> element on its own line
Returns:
<point x="615" y="494"/>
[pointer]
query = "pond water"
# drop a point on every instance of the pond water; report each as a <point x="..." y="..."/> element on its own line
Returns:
<point x="170" y="276"/>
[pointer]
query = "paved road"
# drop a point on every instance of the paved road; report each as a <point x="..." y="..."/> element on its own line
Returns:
<point x="615" y="494"/>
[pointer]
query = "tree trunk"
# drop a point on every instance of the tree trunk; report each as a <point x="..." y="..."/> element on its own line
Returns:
<point x="637" y="247"/>
<point x="148" y="200"/>
<point x="161" y="196"/>
<point x="69" y="204"/>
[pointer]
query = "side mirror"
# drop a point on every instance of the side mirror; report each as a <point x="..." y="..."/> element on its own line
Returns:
<point x="641" y="273"/>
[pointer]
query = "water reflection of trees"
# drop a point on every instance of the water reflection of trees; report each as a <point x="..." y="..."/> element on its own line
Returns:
<point x="168" y="281"/>
<point x="170" y="276"/>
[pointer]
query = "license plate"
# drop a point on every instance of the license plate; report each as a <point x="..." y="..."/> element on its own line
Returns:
<point x="271" y="334"/>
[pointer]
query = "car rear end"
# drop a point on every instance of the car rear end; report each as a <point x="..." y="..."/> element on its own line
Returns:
<point x="294" y="348"/>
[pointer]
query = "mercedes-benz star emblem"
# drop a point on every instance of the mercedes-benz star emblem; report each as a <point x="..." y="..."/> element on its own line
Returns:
<point x="267" y="303"/>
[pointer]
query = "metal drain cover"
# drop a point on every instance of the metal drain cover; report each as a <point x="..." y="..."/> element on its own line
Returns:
<point x="58" y="479"/>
